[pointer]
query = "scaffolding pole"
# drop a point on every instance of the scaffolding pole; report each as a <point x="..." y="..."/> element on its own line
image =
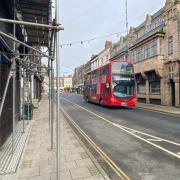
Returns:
<point x="23" y="104"/>
<point x="53" y="93"/>
<point x="57" y="98"/>
<point x="52" y="104"/>
<point x="50" y="79"/>
<point x="20" y="42"/>
<point x="14" y="80"/>
<point x="5" y="90"/>
<point x="49" y="95"/>
<point x="56" y="27"/>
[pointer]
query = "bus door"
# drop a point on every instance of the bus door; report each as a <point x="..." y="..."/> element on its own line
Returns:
<point x="107" y="92"/>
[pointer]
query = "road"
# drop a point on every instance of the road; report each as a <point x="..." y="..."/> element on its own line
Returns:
<point x="143" y="144"/>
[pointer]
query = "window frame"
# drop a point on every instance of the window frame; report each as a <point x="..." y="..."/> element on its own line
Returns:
<point x="170" y="45"/>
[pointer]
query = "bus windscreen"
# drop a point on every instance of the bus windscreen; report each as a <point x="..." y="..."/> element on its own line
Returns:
<point x="122" y="80"/>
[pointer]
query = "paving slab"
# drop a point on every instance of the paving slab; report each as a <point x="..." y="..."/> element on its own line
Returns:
<point x="39" y="161"/>
<point x="158" y="108"/>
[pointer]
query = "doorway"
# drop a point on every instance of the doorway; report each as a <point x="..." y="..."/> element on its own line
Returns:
<point x="172" y="87"/>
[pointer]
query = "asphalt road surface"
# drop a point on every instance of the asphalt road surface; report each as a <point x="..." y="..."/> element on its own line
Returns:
<point x="145" y="145"/>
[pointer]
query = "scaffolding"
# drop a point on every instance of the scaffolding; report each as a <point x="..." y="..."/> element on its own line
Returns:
<point x="38" y="30"/>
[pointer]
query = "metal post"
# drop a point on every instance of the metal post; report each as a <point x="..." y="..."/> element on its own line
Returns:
<point x="28" y="98"/>
<point x="57" y="27"/>
<point x="14" y="80"/>
<point x="23" y="104"/>
<point x="51" y="79"/>
<point x="50" y="95"/>
<point x="58" y="98"/>
<point x="31" y="93"/>
<point x="5" y="90"/>
<point x="127" y="26"/>
<point x="23" y="84"/>
<point x="52" y="103"/>
<point x="20" y="92"/>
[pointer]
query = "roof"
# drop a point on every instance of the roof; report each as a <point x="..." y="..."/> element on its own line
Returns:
<point x="154" y="16"/>
<point x="37" y="11"/>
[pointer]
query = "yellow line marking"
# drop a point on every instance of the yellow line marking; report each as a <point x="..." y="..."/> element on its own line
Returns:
<point x="129" y="131"/>
<point x="111" y="163"/>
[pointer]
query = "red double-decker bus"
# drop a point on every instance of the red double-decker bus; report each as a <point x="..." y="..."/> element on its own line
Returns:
<point x="111" y="85"/>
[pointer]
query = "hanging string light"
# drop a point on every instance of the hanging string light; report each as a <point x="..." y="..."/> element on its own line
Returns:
<point x="81" y="42"/>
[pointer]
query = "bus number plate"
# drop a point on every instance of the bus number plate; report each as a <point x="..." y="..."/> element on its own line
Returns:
<point x="123" y="104"/>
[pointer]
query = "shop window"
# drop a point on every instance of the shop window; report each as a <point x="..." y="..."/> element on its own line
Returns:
<point x="154" y="83"/>
<point x="141" y="88"/>
<point x="155" y="87"/>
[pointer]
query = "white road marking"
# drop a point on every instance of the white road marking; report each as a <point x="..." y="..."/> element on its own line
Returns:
<point x="111" y="163"/>
<point x="154" y="140"/>
<point x="151" y="110"/>
<point x="129" y="131"/>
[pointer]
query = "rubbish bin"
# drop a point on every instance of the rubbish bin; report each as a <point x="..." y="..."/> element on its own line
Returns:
<point x="30" y="111"/>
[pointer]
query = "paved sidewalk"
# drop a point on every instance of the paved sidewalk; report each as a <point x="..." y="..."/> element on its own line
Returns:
<point x="164" y="109"/>
<point x="39" y="160"/>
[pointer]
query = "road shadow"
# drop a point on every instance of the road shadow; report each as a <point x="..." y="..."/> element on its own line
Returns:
<point x="125" y="108"/>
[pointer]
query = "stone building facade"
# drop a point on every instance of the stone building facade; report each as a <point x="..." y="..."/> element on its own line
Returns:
<point x="78" y="79"/>
<point x="154" y="48"/>
<point x="67" y="82"/>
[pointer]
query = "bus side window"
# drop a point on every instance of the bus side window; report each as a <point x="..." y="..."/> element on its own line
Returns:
<point x="93" y="89"/>
<point x="105" y="70"/>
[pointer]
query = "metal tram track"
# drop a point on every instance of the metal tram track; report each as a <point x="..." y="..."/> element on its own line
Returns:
<point x="122" y="175"/>
<point x="167" y="146"/>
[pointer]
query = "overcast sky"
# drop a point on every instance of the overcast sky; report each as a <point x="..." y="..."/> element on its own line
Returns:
<point x="84" y="19"/>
